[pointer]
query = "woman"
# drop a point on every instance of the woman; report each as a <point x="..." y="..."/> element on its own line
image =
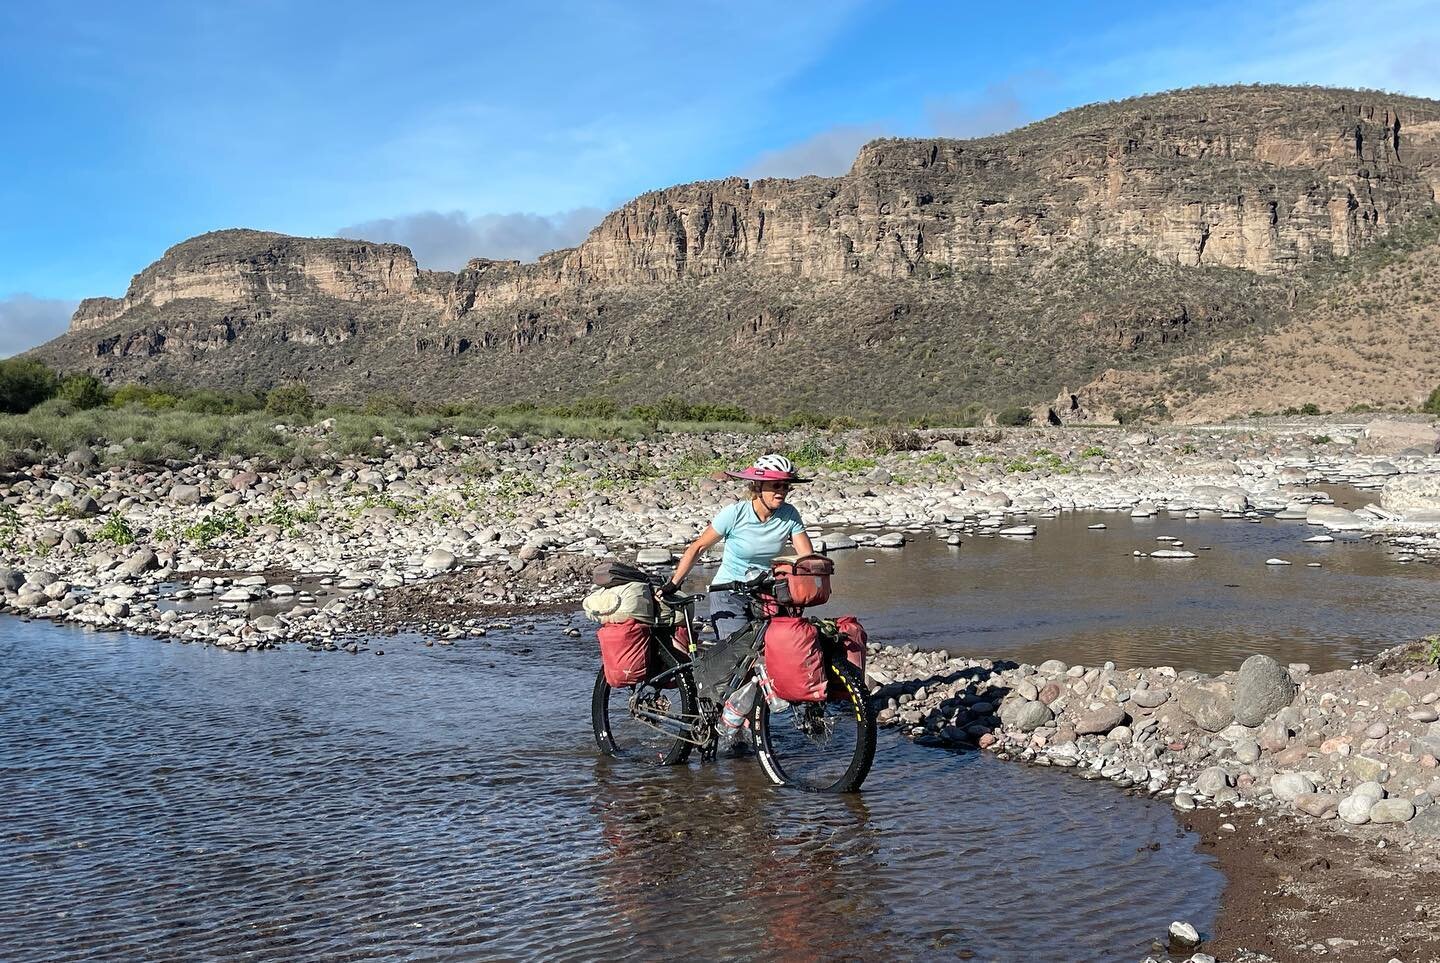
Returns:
<point x="755" y="531"/>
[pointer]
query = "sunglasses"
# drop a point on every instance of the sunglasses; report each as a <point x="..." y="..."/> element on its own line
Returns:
<point x="780" y="487"/>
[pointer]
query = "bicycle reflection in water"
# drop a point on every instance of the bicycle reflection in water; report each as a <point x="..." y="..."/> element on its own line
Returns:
<point x="706" y="866"/>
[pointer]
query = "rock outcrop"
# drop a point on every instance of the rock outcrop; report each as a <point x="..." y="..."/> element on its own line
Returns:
<point x="1122" y="230"/>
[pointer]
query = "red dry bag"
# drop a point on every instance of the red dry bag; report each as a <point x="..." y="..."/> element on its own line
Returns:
<point x="852" y="644"/>
<point x="793" y="659"/>
<point x="852" y="640"/>
<point x="625" y="651"/>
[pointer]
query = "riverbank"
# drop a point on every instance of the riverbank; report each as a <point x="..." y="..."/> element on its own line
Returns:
<point x="1317" y="793"/>
<point x="440" y="533"/>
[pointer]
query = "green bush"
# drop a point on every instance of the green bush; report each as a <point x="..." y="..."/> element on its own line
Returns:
<point x="291" y="401"/>
<point x="668" y="408"/>
<point x="206" y="402"/>
<point x="25" y="383"/>
<point x="1432" y="403"/>
<point x="83" y="391"/>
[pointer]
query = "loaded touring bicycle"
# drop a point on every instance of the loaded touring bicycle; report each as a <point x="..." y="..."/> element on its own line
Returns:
<point x="796" y="683"/>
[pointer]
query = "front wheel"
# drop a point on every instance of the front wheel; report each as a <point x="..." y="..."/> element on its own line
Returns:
<point x="652" y="722"/>
<point x="821" y="746"/>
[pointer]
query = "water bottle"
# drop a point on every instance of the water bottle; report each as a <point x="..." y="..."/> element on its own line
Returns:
<point x="732" y="717"/>
<point x="767" y="689"/>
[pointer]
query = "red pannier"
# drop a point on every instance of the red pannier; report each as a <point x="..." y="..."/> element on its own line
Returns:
<point x="802" y="583"/>
<point x="793" y="659"/>
<point x="625" y="651"/>
<point x="852" y="644"/>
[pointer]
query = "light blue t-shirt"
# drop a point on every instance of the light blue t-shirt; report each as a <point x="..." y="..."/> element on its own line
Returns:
<point x="749" y="542"/>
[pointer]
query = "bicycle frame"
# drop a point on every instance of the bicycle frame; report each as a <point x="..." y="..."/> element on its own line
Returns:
<point x="700" y="725"/>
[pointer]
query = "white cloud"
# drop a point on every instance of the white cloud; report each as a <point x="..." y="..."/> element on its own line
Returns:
<point x="446" y="241"/>
<point x="26" y="321"/>
<point x="828" y="153"/>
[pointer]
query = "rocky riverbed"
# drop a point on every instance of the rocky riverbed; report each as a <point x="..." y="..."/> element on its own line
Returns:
<point x="263" y="555"/>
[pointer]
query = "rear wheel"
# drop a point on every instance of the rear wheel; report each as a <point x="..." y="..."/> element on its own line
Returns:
<point x="650" y="722"/>
<point x="821" y="746"/>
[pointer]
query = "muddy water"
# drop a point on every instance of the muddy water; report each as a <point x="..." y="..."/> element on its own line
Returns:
<point x="1080" y="595"/>
<point x="168" y="802"/>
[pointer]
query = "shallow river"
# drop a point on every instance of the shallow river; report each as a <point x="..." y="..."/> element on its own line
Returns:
<point x="1080" y="595"/>
<point x="179" y="802"/>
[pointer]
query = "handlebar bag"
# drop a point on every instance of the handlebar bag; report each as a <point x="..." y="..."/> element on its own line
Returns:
<point x="624" y="651"/>
<point x="621" y="603"/>
<point x="803" y="582"/>
<point x="793" y="659"/>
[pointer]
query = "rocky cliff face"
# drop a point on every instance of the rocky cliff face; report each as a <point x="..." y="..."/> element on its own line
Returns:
<point x="1262" y="183"/>
<point x="242" y="267"/>
<point x="1257" y="179"/>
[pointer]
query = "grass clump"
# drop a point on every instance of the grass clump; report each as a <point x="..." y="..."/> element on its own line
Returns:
<point x="214" y="527"/>
<point x="116" y="530"/>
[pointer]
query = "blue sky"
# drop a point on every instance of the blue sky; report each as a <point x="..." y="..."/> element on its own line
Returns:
<point x="500" y="130"/>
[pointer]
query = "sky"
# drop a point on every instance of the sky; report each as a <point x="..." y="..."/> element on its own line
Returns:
<point x="509" y="129"/>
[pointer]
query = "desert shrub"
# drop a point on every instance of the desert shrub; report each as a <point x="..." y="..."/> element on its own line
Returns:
<point x="83" y="391"/>
<point x="882" y="441"/>
<point x="25" y="383"/>
<point x="805" y="419"/>
<point x="1309" y="408"/>
<point x="1013" y="416"/>
<point x="388" y="403"/>
<point x="291" y="401"/>
<point x="1432" y="403"/>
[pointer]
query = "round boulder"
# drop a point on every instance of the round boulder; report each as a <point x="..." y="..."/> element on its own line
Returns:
<point x="1355" y="810"/>
<point x="1287" y="785"/>
<point x="1263" y="688"/>
<point x="1099" y="721"/>
<point x="1032" y="715"/>
<point x="1392" y="811"/>
<point x="1210" y="707"/>
<point x="1212" y="780"/>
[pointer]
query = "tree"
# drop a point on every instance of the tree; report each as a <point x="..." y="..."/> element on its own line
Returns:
<point x="24" y="383"/>
<point x="83" y="391"/>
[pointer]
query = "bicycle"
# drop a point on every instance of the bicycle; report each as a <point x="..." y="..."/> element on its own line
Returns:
<point x="814" y="746"/>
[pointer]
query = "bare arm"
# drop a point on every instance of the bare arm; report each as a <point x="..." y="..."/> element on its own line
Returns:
<point x="801" y="541"/>
<point x="687" y="561"/>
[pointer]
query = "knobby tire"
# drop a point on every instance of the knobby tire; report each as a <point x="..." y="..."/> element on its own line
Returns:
<point x="857" y="712"/>
<point x="609" y="706"/>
